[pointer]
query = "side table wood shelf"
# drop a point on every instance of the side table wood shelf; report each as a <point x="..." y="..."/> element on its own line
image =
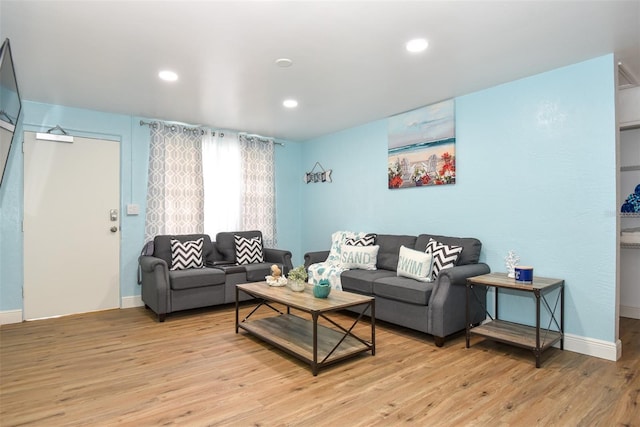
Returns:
<point x="535" y="338"/>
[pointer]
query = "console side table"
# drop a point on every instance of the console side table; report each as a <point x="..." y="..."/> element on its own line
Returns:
<point x="537" y="338"/>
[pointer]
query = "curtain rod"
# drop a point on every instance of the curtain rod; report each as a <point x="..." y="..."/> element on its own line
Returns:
<point x="202" y="130"/>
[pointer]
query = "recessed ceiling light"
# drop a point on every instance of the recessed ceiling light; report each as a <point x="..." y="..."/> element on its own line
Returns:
<point x="417" y="45"/>
<point x="284" y="62"/>
<point x="290" y="103"/>
<point x="168" y="76"/>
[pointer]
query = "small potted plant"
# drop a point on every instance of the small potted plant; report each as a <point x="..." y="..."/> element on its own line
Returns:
<point x="297" y="278"/>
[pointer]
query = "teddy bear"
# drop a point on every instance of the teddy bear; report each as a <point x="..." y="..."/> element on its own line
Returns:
<point x="275" y="272"/>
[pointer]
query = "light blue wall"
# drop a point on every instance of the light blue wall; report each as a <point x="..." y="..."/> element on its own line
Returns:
<point x="288" y="189"/>
<point x="536" y="173"/>
<point x="10" y="225"/>
<point x="134" y="152"/>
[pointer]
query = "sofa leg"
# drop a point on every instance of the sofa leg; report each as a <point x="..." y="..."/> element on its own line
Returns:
<point x="161" y="317"/>
<point x="439" y="341"/>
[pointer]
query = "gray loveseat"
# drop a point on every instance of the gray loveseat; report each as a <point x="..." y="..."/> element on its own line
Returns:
<point x="166" y="291"/>
<point x="438" y="307"/>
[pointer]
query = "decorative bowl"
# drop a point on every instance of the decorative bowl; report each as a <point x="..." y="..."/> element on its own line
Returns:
<point x="272" y="281"/>
<point x="322" y="289"/>
<point x="297" y="285"/>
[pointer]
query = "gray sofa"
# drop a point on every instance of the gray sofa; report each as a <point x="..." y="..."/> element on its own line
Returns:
<point x="437" y="308"/>
<point x="166" y="291"/>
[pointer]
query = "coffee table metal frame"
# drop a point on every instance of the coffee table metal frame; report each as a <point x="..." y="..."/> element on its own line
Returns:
<point x="305" y="338"/>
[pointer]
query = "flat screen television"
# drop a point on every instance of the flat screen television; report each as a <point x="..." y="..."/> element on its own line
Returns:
<point x="10" y="105"/>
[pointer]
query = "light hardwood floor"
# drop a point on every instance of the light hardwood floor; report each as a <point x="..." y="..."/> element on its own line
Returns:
<point x="122" y="367"/>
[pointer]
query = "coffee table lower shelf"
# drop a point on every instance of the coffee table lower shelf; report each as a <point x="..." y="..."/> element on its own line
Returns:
<point x="294" y="335"/>
<point x="516" y="334"/>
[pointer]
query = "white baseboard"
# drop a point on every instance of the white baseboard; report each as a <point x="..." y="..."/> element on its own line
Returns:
<point x="15" y="316"/>
<point x="629" y="311"/>
<point x="130" y="302"/>
<point x="593" y="347"/>
<point x="10" y="316"/>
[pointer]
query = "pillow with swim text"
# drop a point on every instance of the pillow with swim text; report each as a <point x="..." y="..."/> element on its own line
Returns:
<point x="414" y="264"/>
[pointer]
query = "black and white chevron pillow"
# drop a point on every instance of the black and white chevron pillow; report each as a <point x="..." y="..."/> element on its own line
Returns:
<point x="368" y="240"/>
<point x="186" y="255"/>
<point x="248" y="251"/>
<point x="444" y="256"/>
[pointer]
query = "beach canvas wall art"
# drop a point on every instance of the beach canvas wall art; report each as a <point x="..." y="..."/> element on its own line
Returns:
<point x="422" y="147"/>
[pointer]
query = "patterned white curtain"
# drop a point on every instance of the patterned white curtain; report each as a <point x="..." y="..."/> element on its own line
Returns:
<point x="258" y="193"/>
<point x="175" y="194"/>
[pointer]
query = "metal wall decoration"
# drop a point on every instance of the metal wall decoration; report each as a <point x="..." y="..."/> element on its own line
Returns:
<point x="321" y="175"/>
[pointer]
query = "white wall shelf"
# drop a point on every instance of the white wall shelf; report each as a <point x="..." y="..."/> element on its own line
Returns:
<point x="630" y="245"/>
<point x="629" y="177"/>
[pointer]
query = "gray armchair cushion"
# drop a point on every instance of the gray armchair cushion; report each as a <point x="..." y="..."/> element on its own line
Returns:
<point x="390" y="249"/>
<point x="196" y="278"/>
<point x="403" y="289"/>
<point x="470" y="246"/>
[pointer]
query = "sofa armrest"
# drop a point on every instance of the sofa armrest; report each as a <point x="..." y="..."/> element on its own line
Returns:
<point x="315" y="257"/>
<point x="149" y="263"/>
<point x="155" y="284"/>
<point x="447" y="305"/>
<point x="279" y="256"/>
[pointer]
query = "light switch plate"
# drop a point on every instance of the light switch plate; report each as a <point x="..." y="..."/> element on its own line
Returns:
<point x="133" y="209"/>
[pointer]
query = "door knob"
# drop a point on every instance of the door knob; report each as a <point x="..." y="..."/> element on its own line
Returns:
<point x="114" y="229"/>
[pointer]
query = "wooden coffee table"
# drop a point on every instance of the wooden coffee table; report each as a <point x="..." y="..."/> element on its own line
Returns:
<point x="301" y="336"/>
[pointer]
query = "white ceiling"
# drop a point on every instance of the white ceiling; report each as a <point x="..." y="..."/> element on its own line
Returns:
<point x="349" y="63"/>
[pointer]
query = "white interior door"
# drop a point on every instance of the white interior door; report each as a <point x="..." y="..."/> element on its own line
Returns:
<point x="71" y="226"/>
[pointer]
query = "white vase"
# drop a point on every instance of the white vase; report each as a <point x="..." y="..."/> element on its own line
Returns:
<point x="297" y="285"/>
